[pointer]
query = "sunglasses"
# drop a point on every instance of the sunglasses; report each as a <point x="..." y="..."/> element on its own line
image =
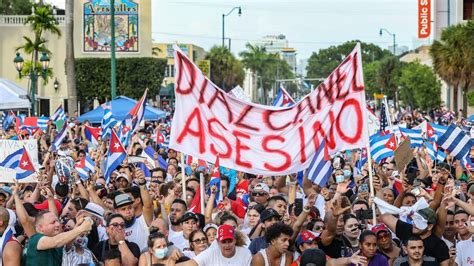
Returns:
<point x="200" y="240"/>
<point x="117" y="225"/>
<point x="317" y="227"/>
<point x="259" y="194"/>
<point x="383" y="235"/>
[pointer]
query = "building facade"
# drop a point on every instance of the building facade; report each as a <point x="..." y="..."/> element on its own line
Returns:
<point x="91" y="39"/>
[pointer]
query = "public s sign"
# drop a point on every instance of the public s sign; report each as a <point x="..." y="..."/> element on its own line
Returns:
<point x="424" y="18"/>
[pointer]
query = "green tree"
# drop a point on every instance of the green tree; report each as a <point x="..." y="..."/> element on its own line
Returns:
<point x="419" y="86"/>
<point x="138" y="73"/>
<point x="387" y="75"/>
<point x="322" y="63"/>
<point x="15" y="7"/>
<point x="370" y="78"/>
<point x="226" y="70"/>
<point x="453" y="59"/>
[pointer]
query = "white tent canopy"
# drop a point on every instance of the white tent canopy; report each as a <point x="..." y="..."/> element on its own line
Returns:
<point x="12" y="96"/>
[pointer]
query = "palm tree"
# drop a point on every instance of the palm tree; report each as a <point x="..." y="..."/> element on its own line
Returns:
<point x="453" y="59"/>
<point x="226" y="70"/>
<point x="387" y="74"/>
<point x="254" y="59"/>
<point x="41" y="21"/>
<point x="70" y="59"/>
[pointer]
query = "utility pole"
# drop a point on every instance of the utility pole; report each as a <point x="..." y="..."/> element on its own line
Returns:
<point x="113" y="84"/>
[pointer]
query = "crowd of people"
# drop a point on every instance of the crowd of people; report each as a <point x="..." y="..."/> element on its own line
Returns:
<point x="139" y="216"/>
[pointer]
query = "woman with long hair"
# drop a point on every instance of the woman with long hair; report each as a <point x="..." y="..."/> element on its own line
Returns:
<point x="160" y="252"/>
<point x="197" y="243"/>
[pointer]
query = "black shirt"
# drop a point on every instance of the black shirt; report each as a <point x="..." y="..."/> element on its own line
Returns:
<point x="339" y="247"/>
<point x="103" y="247"/>
<point x="434" y="246"/>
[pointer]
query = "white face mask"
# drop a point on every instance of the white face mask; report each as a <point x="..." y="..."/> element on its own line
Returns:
<point x="81" y="241"/>
<point x="160" y="253"/>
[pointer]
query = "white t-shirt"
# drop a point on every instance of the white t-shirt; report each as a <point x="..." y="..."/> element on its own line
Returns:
<point x="138" y="233"/>
<point x="180" y="242"/>
<point x="172" y="234"/>
<point x="465" y="252"/>
<point x="213" y="256"/>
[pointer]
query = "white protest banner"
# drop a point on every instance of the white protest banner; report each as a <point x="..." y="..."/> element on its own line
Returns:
<point x="268" y="140"/>
<point x="8" y="147"/>
<point x="372" y="122"/>
<point x="8" y="175"/>
<point x="240" y="94"/>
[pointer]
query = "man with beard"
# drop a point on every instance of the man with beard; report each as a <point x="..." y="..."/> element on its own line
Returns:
<point x="449" y="234"/>
<point x="414" y="248"/>
<point x="178" y="208"/>
<point x="433" y="245"/>
<point x="136" y="229"/>
<point x="46" y="246"/>
<point x="385" y="243"/>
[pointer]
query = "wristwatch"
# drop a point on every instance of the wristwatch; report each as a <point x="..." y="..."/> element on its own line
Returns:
<point x="121" y="242"/>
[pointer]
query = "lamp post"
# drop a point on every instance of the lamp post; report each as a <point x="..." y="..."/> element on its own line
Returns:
<point x="18" y="61"/>
<point x="113" y="85"/>
<point x="389" y="33"/>
<point x="223" y="23"/>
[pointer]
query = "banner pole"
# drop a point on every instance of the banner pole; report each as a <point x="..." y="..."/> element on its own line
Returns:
<point x="201" y="188"/>
<point x="183" y="177"/>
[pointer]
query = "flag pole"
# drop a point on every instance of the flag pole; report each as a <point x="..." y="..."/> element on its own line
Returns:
<point x="183" y="177"/>
<point x="201" y="191"/>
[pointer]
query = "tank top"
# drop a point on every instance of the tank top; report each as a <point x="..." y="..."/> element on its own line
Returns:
<point x="267" y="262"/>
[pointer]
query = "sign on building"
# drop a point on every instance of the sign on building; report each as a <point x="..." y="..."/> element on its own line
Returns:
<point x="96" y="26"/>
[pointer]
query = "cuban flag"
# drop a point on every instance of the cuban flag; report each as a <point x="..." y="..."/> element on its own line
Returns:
<point x="434" y="153"/>
<point x="320" y="168"/>
<point x="59" y="114"/>
<point x="85" y="166"/>
<point x="283" y="99"/>
<point x="115" y="155"/>
<point x="216" y="180"/>
<point x="39" y="122"/>
<point x="107" y="121"/>
<point x="195" y="206"/>
<point x="160" y="138"/>
<point x="456" y="142"/>
<point x="7" y="235"/>
<point x="439" y="130"/>
<point x="125" y="131"/>
<point x="93" y="134"/>
<point x="416" y="138"/>
<point x="149" y="153"/>
<point x="138" y="111"/>
<point x="59" y="138"/>
<point x="362" y="160"/>
<point x="20" y="162"/>
<point x="201" y="163"/>
<point x="382" y="147"/>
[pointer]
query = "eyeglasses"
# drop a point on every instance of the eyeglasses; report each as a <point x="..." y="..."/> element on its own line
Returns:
<point x="259" y="194"/>
<point x="200" y="240"/>
<point x="117" y="225"/>
<point x="317" y="227"/>
<point x="383" y="235"/>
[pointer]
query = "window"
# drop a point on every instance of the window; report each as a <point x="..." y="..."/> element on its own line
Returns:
<point x="468" y="9"/>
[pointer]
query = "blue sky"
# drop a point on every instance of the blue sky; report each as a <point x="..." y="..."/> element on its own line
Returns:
<point x="309" y="25"/>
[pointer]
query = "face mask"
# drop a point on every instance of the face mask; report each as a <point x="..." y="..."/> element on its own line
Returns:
<point x="142" y="137"/>
<point x="81" y="241"/>
<point x="160" y="253"/>
<point x="339" y="179"/>
<point x="347" y="173"/>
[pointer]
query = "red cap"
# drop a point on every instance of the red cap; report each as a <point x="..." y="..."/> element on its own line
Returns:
<point x="224" y="232"/>
<point x="379" y="228"/>
<point x="44" y="206"/>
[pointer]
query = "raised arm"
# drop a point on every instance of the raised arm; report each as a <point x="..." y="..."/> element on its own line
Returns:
<point x="25" y="220"/>
<point x="62" y="239"/>
<point x="302" y="217"/>
<point x="210" y="205"/>
<point x="147" y="202"/>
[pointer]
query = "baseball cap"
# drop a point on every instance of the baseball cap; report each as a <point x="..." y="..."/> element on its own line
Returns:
<point x="428" y="214"/>
<point x="261" y="187"/>
<point x="379" y="228"/>
<point x="306" y="236"/>
<point x="268" y="214"/>
<point x="121" y="175"/>
<point x="95" y="209"/>
<point x="122" y="200"/>
<point x="6" y="191"/>
<point x="188" y="216"/>
<point x="44" y="205"/>
<point x="313" y="257"/>
<point x="208" y="226"/>
<point x="224" y="232"/>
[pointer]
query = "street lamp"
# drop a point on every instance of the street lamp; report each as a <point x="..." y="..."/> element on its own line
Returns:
<point x="223" y="19"/>
<point x="56" y="84"/>
<point x="393" y="35"/>
<point x="19" y="62"/>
